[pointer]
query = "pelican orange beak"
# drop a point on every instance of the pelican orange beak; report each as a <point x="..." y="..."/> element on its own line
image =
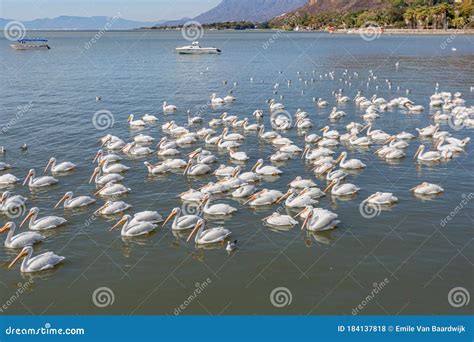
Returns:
<point x="5" y="228"/>
<point x="378" y="150"/>
<point x="28" y="176"/>
<point x="306" y="220"/>
<point x="173" y="213"/>
<point x="26" y="218"/>
<point x="195" y="229"/>
<point x="389" y="140"/>
<point x="22" y="254"/>
<point x="121" y="221"/>
<point x="61" y="200"/>
<point x="97" y="155"/>
<point x="301" y="212"/>
<point x="338" y="160"/>
<point x="194" y="153"/>
<point x="102" y="162"/>
<point x="187" y="167"/>
<point x="106" y="141"/>
<point x="305" y="151"/>
<point x="129" y="118"/>
<point x="106" y="204"/>
<point x="96" y="171"/>
<point x="98" y="191"/>
<point x="329" y="186"/>
<point x="47" y="166"/>
<point x="286" y="195"/>
<point x="251" y="198"/>
<point x="255" y="166"/>
<point x="417" y="152"/>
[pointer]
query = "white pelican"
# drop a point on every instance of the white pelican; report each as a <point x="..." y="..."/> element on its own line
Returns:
<point x="316" y="153"/>
<point x="38" y="263"/>
<point x="110" y="157"/>
<point x="231" y="136"/>
<point x="280" y="156"/>
<point x="113" y="207"/>
<point x="388" y="152"/>
<point x="101" y="179"/>
<point x="44" y="223"/>
<point x="448" y="147"/>
<point x="329" y="134"/>
<point x="166" y="143"/>
<point x="276" y="219"/>
<point x="274" y="106"/>
<point x="265" y="170"/>
<point x="258" y="114"/>
<point x="112" y="189"/>
<point x="113" y="145"/>
<point x="203" y="156"/>
<point x="427" y="189"/>
<point x="405" y="136"/>
<point x="458" y="142"/>
<point x="227" y="143"/>
<point x="430" y="156"/>
<point x="335" y="174"/>
<point x="318" y="219"/>
<point x="322" y="103"/>
<point x="393" y="142"/>
<point x="240" y="156"/>
<point x="71" y="202"/>
<point x="192" y="195"/>
<point x="376" y="134"/>
<point x="250" y="127"/>
<point x="4" y="166"/>
<point x="349" y="164"/>
<point x="132" y="228"/>
<point x="226" y="118"/>
<point x="336" y="114"/>
<point x="193" y="119"/>
<point x="327" y="142"/>
<point x="300" y="183"/>
<point x="290" y="148"/>
<point x="143" y="139"/>
<point x="229" y="98"/>
<point x="216" y="100"/>
<point x="359" y="141"/>
<point x="10" y="202"/>
<point x="428" y="131"/>
<point x="208" y="236"/>
<point x="196" y="169"/>
<point x="135" y="123"/>
<point x="107" y="167"/>
<point x="148" y="118"/>
<point x="295" y="200"/>
<point x="225" y="171"/>
<point x="38" y="182"/>
<point x="157" y="169"/>
<point x="216" y="209"/>
<point x="210" y="140"/>
<point x="59" y="167"/>
<point x="264" y="198"/>
<point x="338" y="189"/>
<point x="167" y="108"/>
<point x="181" y="222"/>
<point x="280" y="141"/>
<point x="133" y="149"/>
<point x="267" y="135"/>
<point x="168" y="152"/>
<point x="244" y="190"/>
<point x="147" y="216"/>
<point x="175" y="163"/>
<point x="20" y="240"/>
<point x="381" y="198"/>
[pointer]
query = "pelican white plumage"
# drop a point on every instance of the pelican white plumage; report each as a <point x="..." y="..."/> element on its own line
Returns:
<point x="192" y="195"/>
<point x="168" y="108"/>
<point x="216" y="209"/>
<point x="428" y="131"/>
<point x="157" y="169"/>
<point x="240" y="155"/>
<point x="71" y="202"/>
<point x="345" y="163"/>
<point x="59" y="167"/>
<point x="244" y="190"/>
<point x="196" y="169"/>
<point x="381" y="198"/>
<point x="112" y="208"/>
<point x="38" y="263"/>
<point x="19" y="240"/>
<point x="208" y="236"/>
<point x="9" y="202"/>
<point x="318" y="219"/>
<point x="300" y="183"/>
<point x="296" y="200"/>
<point x="430" y="156"/>
<point x="38" y="182"/>
<point x="101" y="179"/>
<point x="108" y="167"/>
<point x="337" y="189"/>
<point x="132" y="228"/>
<point x="265" y="170"/>
<point x="279" y="220"/>
<point x="44" y="223"/>
<point x="99" y="156"/>
<point x="135" y="123"/>
<point x="264" y="197"/>
<point x="181" y="222"/>
<point x="149" y="119"/>
<point x="330" y="134"/>
<point x="426" y="189"/>
<point x="112" y="189"/>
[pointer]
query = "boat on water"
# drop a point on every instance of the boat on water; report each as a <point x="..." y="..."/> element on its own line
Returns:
<point x="31" y="44"/>
<point x="196" y="49"/>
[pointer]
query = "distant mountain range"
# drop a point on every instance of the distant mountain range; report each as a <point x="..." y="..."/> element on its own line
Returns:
<point x="65" y="22"/>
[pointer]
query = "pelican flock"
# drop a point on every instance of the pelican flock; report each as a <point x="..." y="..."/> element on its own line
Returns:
<point x="289" y="166"/>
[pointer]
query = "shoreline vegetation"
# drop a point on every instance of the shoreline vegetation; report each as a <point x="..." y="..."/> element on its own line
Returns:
<point x="395" y="17"/>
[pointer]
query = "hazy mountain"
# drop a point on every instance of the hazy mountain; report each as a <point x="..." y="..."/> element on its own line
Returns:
<point x="250" y="10"/>
<point x="81" y="23"/>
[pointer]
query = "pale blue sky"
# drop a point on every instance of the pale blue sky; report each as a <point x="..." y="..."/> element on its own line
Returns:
<point x="144" y="10"/>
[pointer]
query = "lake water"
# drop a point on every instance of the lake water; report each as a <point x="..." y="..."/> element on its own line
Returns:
<point x="406" y="252"/>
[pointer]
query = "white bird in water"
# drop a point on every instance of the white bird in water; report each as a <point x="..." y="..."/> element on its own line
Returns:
<point x="381" y="198"/>
<point x="44" y="223"/>
<point x="216" y="209"/>
<point x="181" y="222"/>
<point x="337" y="189"/>
<point x="20" y="240"/>
<point x="278" y="220"/>
<point x="102" y="179"/>
<point x="208" y="236"/>
<point x="38" y="263"/>
<point x="71" y="202"/>
<point x="38" y="182"/>
<point x="112" y="189"/>
<point x="59" y="167"/>
<point x="426" y="189"/>
<point x="132" y="228"/>
<point x="112" y="208"/>
<point x="318" y="219"/>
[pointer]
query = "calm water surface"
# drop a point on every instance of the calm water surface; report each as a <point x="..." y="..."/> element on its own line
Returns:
<point x="406" y="247"/>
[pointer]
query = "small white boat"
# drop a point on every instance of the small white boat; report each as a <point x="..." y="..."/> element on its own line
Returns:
<point x="31" y="44"/>
<point x="196" y="49"/>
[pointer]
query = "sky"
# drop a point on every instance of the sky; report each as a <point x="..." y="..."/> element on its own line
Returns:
<point x="143" y="10"/>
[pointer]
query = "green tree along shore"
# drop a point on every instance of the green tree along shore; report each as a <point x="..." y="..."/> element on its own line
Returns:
<point x="410" y="14"/>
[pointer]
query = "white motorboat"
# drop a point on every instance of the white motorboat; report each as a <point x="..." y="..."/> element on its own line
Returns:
<point x="31" y="44"/>
<point x="196" y="49"/>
